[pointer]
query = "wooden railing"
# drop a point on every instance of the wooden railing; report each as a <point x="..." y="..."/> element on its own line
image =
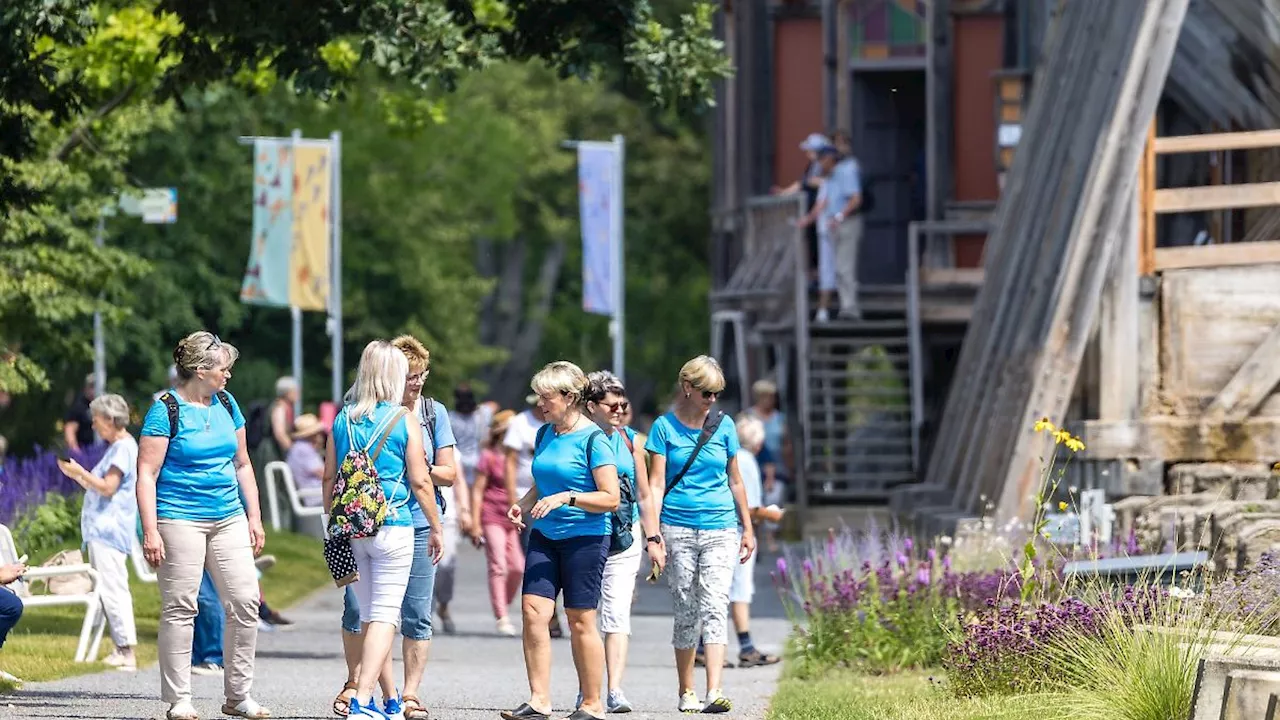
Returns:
<point x="1155" y="201"/>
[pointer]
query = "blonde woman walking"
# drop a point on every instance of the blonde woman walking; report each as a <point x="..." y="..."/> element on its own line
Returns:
<point x="695" y="477"/>
<point x="198" y="500"/>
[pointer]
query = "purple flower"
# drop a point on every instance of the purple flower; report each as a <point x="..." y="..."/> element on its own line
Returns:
<point x="782" y="569"/>
<point x="902" y="561"/>
<point x="907" y="545"/>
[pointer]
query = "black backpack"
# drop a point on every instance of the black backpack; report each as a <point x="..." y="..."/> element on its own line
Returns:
<point x="255" y="425"/>
<point x="427" y="416"/>
<point x="171" y="406"/>
<point x="620" y="536"/>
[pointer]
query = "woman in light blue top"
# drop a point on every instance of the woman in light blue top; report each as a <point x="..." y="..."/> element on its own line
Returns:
<point x="198" y="501"/>
<point x="694" y="473"/>
<point x="108" y="520"/>
<point x="575" y="489"/>
<point x="373" y="413"/>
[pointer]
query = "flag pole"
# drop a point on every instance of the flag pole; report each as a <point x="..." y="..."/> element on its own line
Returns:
<point x="335" y="264"/>
<point x="619" y="326"/>
<point x="294" y="311"/>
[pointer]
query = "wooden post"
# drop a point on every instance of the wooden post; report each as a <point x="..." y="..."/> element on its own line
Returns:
<point x="1147" y="224"/>
<point x="1119" y="384"/>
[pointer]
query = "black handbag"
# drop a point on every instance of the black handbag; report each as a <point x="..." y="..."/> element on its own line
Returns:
<point x="341" y="561"/>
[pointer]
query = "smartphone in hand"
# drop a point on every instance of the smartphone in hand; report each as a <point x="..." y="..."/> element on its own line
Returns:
<point x="64" y="456"/>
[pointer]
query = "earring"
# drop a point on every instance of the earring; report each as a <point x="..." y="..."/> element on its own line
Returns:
<point x="686" y="395"/>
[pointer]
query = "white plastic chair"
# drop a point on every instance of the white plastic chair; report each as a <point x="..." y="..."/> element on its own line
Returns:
<point x="279" y="471"/>
<point x="95" y="619"/>
<point x="140" y="566"/>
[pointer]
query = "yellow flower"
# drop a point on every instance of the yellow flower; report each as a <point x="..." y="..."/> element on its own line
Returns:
<point x="1061" y="436"/>
<point x="1043" y="424"/>
<point x="1074" y="444"/>
<point x="1062" y="506"/>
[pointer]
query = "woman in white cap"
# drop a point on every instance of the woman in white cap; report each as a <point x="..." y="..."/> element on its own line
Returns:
<point x="305" y="458"/>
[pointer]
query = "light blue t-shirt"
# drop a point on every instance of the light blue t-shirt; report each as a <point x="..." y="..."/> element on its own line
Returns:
<point x="198" y="478"/>
<point x="702" y="500"/>
<point x="389" y="463"/>
<point x="844" y="183"/>
<point x="627" y="467"/>
<point x="111" y="520"/>
<point x="560" y="465"/>
<point x="443" y="439"/>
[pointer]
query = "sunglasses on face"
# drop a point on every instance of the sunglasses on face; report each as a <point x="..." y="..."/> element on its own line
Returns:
<point x="709" y="394"/>
<point x="618" y="407"/>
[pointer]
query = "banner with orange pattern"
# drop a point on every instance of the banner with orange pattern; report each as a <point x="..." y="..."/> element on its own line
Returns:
<point x="309" y="260"/>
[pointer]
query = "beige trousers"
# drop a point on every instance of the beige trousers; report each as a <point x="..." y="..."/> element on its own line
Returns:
<point x="848" y="238"/>
<point x="224" y="549"/>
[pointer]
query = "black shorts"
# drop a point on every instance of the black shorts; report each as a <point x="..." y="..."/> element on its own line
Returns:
<point x="574" y="566"/>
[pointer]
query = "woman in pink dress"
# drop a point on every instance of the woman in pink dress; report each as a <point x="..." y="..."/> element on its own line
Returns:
<point x="491" y="498"/>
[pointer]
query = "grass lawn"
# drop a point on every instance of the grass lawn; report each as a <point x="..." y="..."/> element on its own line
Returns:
<point x="844" y="695"/>
<point x="43" y="644"/>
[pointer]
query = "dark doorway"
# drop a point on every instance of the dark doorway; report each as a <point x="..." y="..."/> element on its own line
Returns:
<point x="889" y="141"/>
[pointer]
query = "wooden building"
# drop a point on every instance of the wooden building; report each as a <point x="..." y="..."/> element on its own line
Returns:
<point x="935" y="94"/>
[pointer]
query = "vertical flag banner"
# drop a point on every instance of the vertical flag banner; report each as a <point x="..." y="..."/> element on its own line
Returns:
<point x="266" y="281"/>
<point x="597" y="175"/>
<point x="309" y="261"/>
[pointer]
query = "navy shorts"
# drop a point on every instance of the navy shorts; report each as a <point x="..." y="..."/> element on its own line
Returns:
<point x="574" y="566"/>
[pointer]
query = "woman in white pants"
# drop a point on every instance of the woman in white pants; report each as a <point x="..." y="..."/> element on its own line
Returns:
<point x="374" y="418"/>
<point x="109" y="520"/>
<point x="607" y="404"/>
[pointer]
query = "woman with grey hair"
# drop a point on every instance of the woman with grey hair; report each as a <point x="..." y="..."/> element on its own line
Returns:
<point x="109" y="518"/>
<point x="198" y="499"/>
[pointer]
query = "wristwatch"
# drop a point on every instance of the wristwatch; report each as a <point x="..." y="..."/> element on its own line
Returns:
<point x="653" y="539"/>
<point x="573" y="500"/>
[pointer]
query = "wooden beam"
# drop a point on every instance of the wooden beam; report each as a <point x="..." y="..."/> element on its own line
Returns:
<point x="1220" y="197"/>
<point x="1175" y="439"/>
<point x="1119" y="378"/>
<point x="1147" y="180"/>
<point x="969" y="277"/>
<point x="1212" y="142"/>
<point x="1207" y="256"/>
<point x="1250" y="386"/>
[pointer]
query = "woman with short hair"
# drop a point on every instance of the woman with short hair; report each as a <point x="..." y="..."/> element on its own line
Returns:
<point x="490" y="501"/>
<point x="697" y="483"/>
<point x="607" y="404"/>
<point x="109" y="519"/>
<point x="575" y="488"/>
<point x="198" y="499"/>
<point x="373" y="416"/>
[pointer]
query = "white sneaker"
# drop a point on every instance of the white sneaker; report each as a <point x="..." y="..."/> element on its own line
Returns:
<point x="207" y="669"/>
<point x="689" y="702"/>
<point x="617" y="702"/>
<point x="264" y="626"/>
<point x="822" y="316"/>
<point x="121" y="662"/>
<point x="505" y="628"/>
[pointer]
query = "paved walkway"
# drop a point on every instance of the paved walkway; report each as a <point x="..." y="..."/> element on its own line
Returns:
<point x="471" y="675"/>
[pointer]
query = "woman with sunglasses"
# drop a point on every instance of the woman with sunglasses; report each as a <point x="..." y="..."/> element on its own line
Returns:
<point x="607" y="405"/>
<point x="198" y="502"/>
<point x="696" y="482"/>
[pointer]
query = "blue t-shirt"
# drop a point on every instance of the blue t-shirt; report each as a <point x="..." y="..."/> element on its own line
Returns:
<point x="560" y="465"/>
<point x="444" y="438"/>
<point x="390" y="462"/>
<point x="197" y="481"/>
<point x="702" y="500"/>
<point x="627" y="467"/>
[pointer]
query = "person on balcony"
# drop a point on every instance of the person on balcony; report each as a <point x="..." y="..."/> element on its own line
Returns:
<point x="809" y="183"/>
<point x="839" y="233"/>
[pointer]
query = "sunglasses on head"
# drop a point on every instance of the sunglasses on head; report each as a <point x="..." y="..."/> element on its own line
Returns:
<point x="215" y="342"/>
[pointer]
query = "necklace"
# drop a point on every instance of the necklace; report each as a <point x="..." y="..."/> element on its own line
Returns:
<point x="208" y="412"/>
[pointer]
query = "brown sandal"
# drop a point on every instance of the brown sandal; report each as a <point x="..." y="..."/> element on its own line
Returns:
<point x="413" y="708"/>
<point x="342" y="703"/>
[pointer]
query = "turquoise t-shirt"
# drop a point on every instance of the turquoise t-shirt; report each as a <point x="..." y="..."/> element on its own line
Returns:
<point x="627" y="467"/>
<point x="560" y="465"/>
<point x="443" y="439"/>
<point x="702" y="500"/>
<point x="197" y="481"/>
<point x="390" y="462"/>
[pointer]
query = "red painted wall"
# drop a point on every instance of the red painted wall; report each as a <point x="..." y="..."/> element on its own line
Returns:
<point x="797" y="92"/>
<point x="979" y="50"/>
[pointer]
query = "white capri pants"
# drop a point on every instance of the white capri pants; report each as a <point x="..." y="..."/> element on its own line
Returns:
<point x="826" y="258"/>
<point x="383" y="561"/>
<point x="113" y="588"/>
<point x="618" y="586"/>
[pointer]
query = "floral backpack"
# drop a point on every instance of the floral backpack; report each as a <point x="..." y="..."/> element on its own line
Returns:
<point x="359" y="504"/>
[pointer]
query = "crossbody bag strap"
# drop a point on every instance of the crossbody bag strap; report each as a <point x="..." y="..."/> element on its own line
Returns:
<point x="708" y="429"/>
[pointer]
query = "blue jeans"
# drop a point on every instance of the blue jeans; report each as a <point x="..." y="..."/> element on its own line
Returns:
<point x="211" y="618"/>
<point x="416" y="610"/>
<point x="10" y="612"/>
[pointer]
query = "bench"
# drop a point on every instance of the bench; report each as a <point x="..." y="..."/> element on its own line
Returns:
<point x="95" y="620"/>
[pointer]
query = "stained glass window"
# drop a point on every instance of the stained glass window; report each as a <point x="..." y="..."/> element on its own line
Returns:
<point x="884" y="29"/>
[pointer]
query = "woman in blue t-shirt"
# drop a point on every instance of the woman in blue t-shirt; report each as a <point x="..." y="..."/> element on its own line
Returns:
<point x="607" y="404"/>
<point x="374" y="421"/>
<point x="575" y="488"/>
<point x="703" y="503"/>
<point x="198" y="502"/>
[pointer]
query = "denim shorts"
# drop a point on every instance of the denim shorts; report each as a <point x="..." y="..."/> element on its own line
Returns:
<point x="574" y="566"/>
<point x="416" y="610"/>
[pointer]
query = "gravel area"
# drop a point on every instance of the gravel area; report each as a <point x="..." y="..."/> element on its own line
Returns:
<point x="471" y="675"/>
